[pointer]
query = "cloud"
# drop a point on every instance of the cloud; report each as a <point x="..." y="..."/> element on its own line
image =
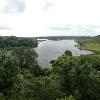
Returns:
<point x="49" y="17"/>
<point x="88" y="30"/>
<point x="12" y="6"/>
<point x="5" y="28"/>
<point x="61" y="27"/>
<point x="47" y="5"/>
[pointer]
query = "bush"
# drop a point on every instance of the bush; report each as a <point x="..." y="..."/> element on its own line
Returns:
<point x="69" y="53"/>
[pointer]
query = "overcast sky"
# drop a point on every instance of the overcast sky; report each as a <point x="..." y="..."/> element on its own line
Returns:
<point x="49" y="17"/>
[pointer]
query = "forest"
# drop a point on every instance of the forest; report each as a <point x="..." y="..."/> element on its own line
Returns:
<point x="9" y="42"/>
<point x="69" y="78"/>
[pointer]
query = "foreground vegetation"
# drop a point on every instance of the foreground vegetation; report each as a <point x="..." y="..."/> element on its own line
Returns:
<point x="70" y="78"/>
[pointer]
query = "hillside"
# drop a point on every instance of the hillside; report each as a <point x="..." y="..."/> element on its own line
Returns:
<point x="92" y="44"/>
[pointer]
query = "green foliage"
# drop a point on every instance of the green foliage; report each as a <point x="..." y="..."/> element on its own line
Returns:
<point x="45" y="88"/>
<point x="12" y="41"/>
<point x="68" y="98"/>
<point x="70" y="78"/>
<point x="14" y="78"/>
<point x="26" y="57"/>
<point x="93" y="60"/>
<point x="81" y="44"/>
<point x="92" y="44"/>
<point x="78" y="76"/>
<point x="69" y="53"/>
<point x="8" y="70"/>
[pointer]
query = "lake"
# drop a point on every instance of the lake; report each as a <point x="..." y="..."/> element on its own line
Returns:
<point x="49" y="50"/>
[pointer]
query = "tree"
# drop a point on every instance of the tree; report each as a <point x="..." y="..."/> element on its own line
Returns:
<point x="9" y="42"/>
<point x="26" y="57"/>
<point x="69" y="53"/>
<point x="78" y="76"/>
<point x="44" y="88"/>
<point x="8" y="70"/>
<point x="82" y="43"/>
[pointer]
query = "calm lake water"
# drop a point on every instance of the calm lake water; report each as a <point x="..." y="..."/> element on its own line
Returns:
<point x="49" y="50"/>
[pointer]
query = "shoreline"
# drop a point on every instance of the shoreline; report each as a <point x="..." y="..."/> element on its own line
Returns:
<point x="84" y="48"/>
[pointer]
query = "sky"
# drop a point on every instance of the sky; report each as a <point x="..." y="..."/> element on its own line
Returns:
<point x="29" y="18"/>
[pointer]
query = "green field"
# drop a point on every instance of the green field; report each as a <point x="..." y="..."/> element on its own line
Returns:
<point x="92" y="44"/>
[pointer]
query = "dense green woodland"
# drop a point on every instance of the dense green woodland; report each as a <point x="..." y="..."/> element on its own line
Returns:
<point x="69" y="78"/>
<point x="13" y="41"/>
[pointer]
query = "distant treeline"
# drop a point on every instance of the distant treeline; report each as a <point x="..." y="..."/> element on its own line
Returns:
<point x="64" y="37"/>
<point x="95" y="39"/>
<point x="13" y="41"/>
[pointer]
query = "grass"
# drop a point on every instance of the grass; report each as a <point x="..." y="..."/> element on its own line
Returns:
<point x="95" y="47"/>
<point x="92" y="44"/>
